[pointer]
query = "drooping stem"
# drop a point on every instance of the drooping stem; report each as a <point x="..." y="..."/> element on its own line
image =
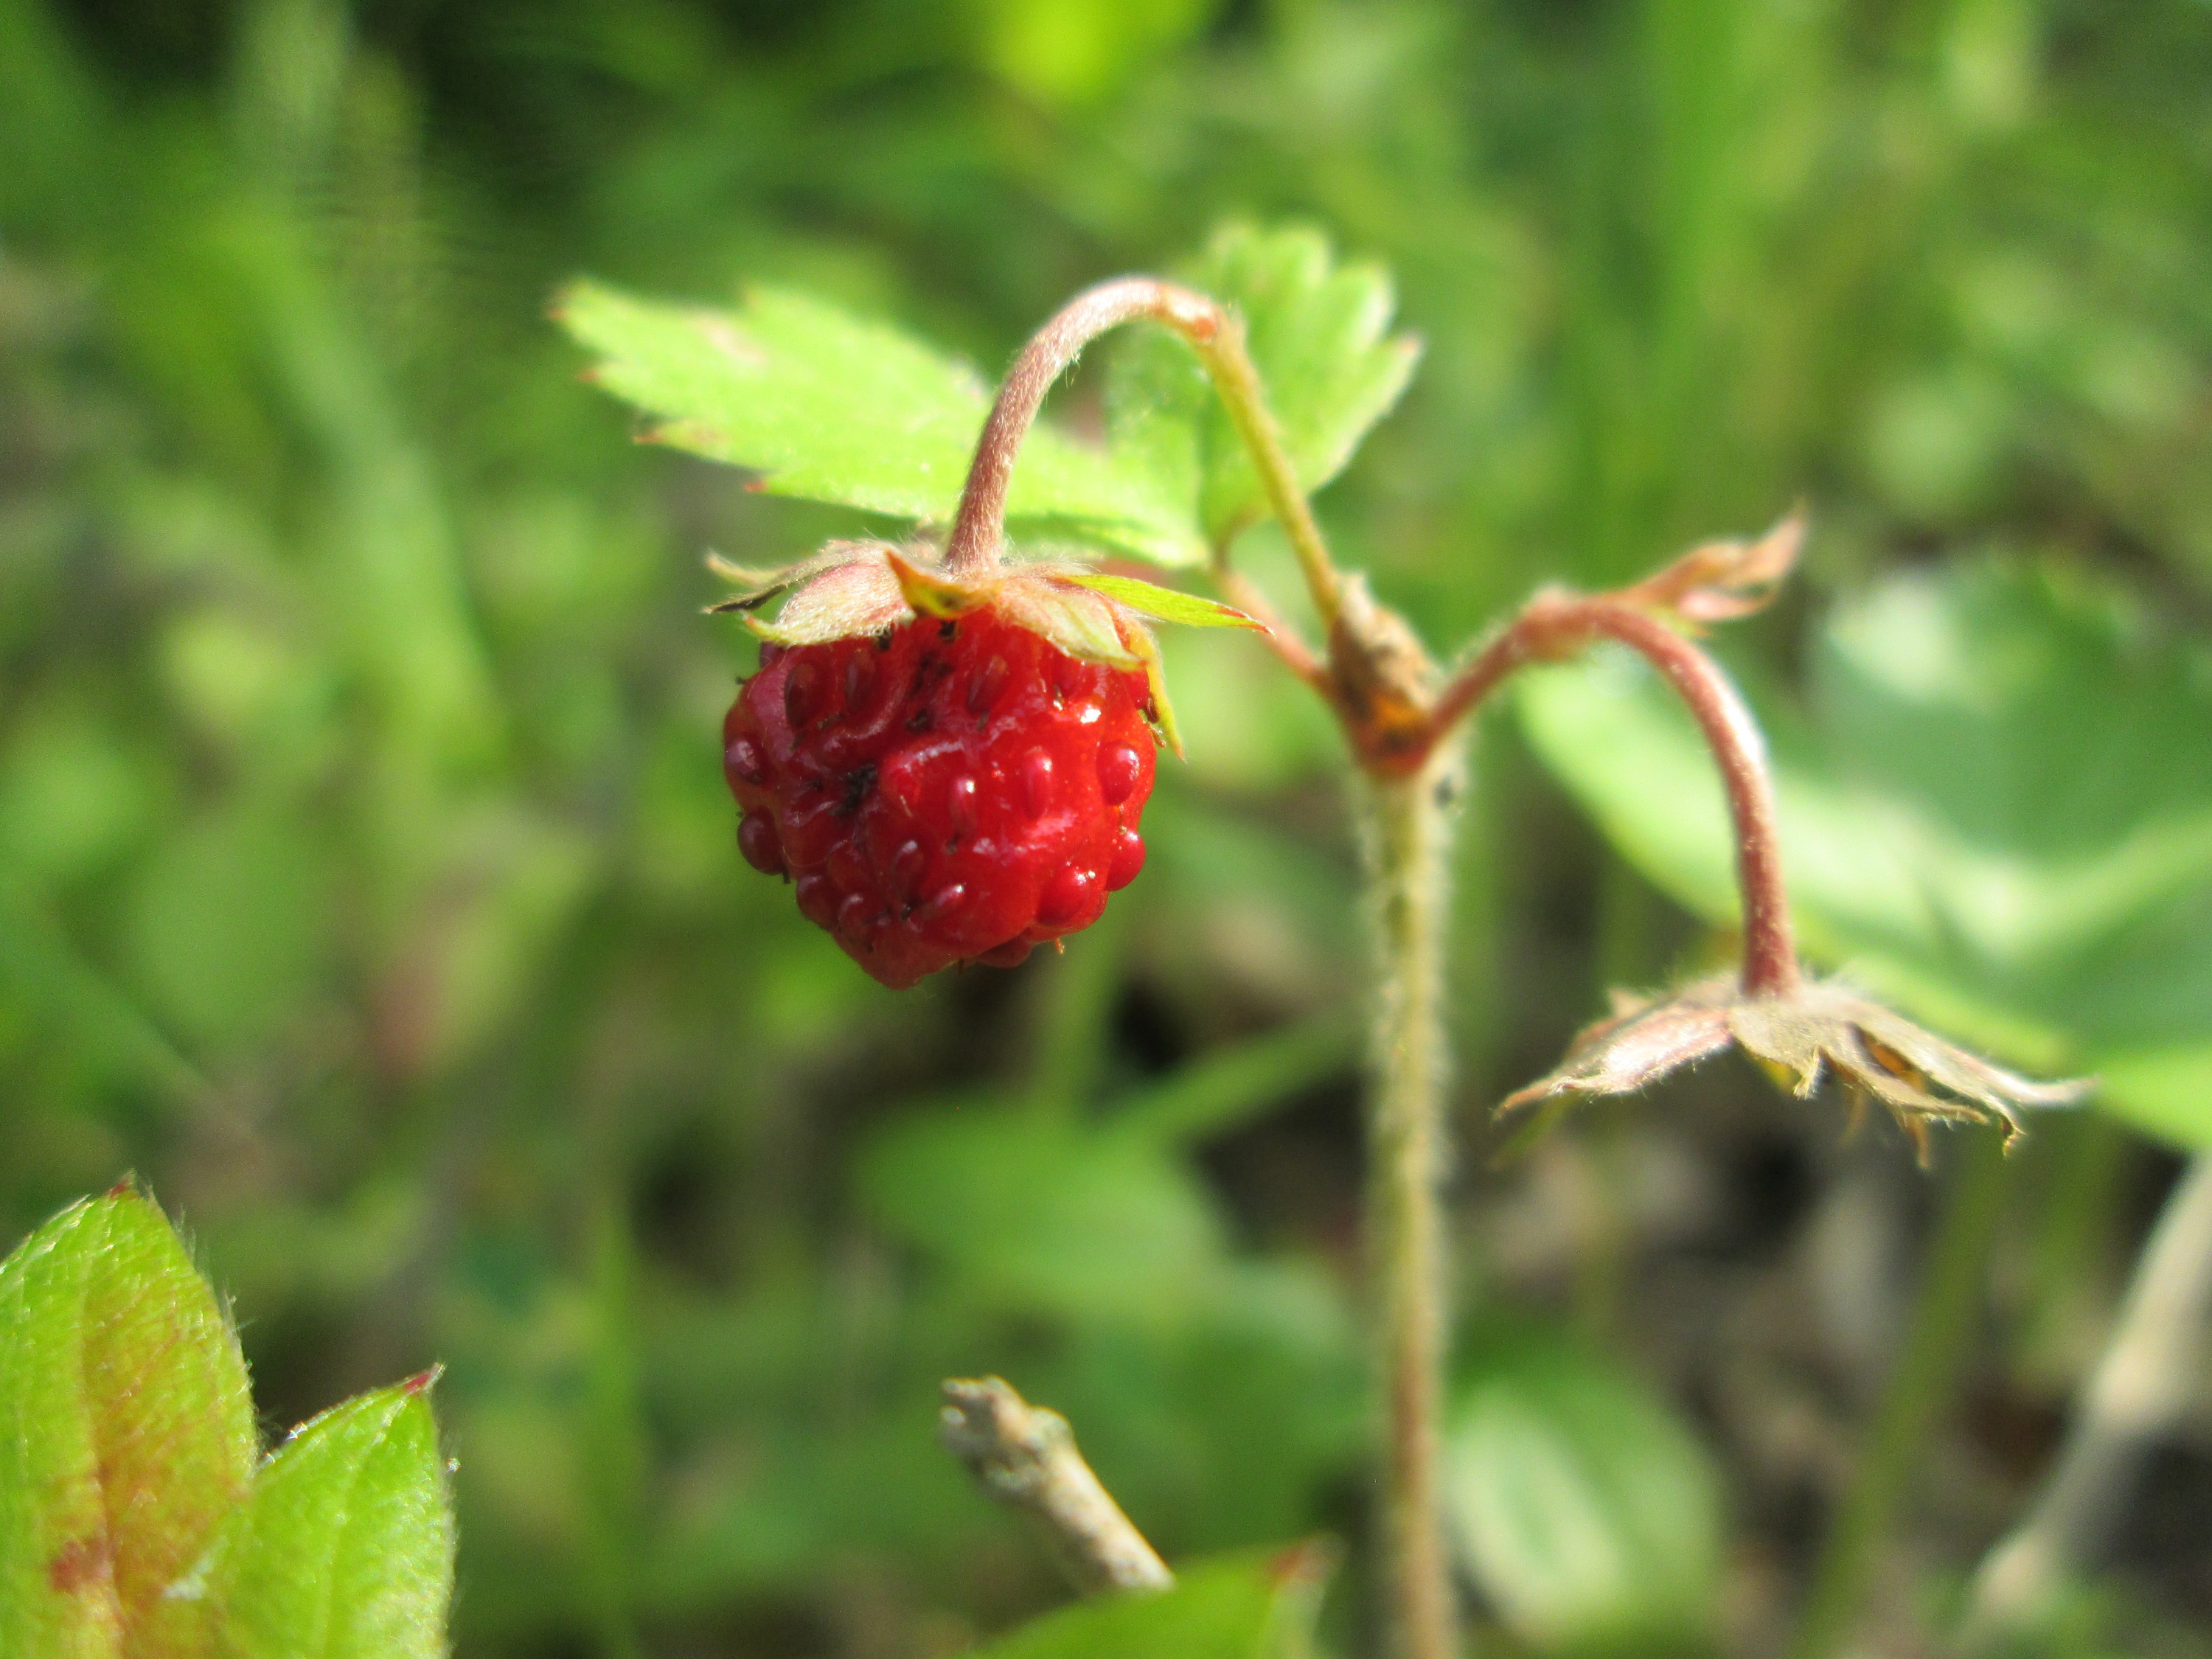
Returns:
<point x="1409" y="844"/>
<point x="2143" y="1385"/>
<point x="1555" y="626"/>
<point x="1922" y="1380"/>
<point x="1217" y="336"/>
<point x="1770" y="953"/>
<point x="977" y="527"/>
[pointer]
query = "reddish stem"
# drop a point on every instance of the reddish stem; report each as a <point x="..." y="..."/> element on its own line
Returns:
<point x="1552" y="627"/>
<point x="977" y="529"/>
<point x="1282" y="639"/>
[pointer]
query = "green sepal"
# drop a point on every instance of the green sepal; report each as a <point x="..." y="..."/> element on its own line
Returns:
<point x="1082" y="624"/>
<point x="756" y="586"/>
<point x="1164" y="718"/>
<point x="933" y="593"/>
<point x="1164" y="604"/>
<point x="856" y="596"/>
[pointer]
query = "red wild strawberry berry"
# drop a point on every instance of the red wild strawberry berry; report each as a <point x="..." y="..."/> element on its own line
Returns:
<point x="942" y="791"/>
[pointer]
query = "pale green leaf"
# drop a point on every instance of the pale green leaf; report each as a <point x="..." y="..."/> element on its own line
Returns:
<point x="1588" y="1514"/>
<point x="127" y="1433"/>
<point x="832" y="407"/>
<point x="345" y="1548"/>
<point x="1997" y="811"/>
<point x="1319" y="334"/>
<point x="1258" y="1605"/>
<point x="1167" y="603"/>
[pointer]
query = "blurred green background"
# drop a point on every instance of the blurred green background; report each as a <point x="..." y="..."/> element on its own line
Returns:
<point x="367" y="875"/>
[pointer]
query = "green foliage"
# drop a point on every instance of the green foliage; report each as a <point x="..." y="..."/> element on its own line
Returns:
<point x="826" y="406"/>
<point x="344" y="1549"/>
<point x="1074" y="49"/>
<point x="1585" y="1510"/>
<point x="1167" y="603"/>
<point x="1254" y="1605"/>
<point x="133" y="1516"/>
<point x="1996" y="808"/>
<point x="1318" y="331"/>
<point x="130" y="1432"/>
<point x="364" y="870"/>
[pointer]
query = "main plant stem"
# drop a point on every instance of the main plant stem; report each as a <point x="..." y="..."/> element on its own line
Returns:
<point x="1409" y="841"/>
<point x="1556" y="626"/>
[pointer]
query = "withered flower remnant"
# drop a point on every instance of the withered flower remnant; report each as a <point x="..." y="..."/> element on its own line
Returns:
<point x="1799" y="1035"/>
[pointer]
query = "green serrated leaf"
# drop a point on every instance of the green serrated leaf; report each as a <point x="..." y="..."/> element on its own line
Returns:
<point x="1997" y="813"/>
<point x="827" y="406"/>
<point x="345" y="1548"/>
<point x="1588" y="1515"/>
<point x="1168" y="603"/>
<point x="1257" y="1605"/>
<point x="1319" y="334"/>
<point x="128" y="1433"/>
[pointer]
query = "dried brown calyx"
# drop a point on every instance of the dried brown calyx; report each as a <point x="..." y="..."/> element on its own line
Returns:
<point x="1800" y="1036"/>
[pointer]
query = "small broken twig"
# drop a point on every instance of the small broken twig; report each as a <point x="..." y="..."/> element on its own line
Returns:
<point x="1025" y="1457"/>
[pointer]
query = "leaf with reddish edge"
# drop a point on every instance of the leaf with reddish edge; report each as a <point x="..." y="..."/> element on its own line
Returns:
<point x="128" y="1434"/>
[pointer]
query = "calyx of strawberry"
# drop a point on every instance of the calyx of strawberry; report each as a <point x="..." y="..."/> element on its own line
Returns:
<point x="860" y="587"/>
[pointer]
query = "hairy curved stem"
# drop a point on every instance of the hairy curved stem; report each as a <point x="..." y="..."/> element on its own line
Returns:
<point x="978" y="527"/>
<point x="1555" y="626"/>
<point x="1769" y="952"/>
<point x="1408" y="840"/>
<point x="1217" y="336"/>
